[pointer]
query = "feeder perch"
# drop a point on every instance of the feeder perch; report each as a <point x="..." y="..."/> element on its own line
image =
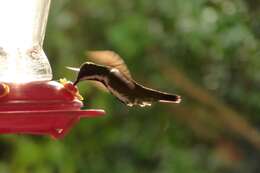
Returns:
<point x="30" y="102"/>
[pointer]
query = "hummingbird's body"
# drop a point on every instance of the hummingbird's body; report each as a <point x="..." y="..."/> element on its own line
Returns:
<point x="122" y="86"/>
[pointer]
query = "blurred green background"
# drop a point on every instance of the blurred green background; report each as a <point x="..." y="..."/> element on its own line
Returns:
<point x="208" y="51"/>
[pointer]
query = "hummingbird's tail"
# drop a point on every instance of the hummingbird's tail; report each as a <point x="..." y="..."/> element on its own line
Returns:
<point x="162" y="96"/>
<point x="169" y="98"/>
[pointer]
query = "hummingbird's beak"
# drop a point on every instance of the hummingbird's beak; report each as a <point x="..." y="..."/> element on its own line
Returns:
<point x="73" y="69"/>
<point x="76" y="82"/>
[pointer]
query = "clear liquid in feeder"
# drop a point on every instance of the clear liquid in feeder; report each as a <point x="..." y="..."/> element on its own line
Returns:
<point x="22" y="29"/>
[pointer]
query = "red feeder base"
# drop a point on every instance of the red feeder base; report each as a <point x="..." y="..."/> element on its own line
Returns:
<point x="42" y="108"/>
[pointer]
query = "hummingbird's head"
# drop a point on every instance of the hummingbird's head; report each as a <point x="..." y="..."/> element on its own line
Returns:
<point x="91" y="71"/>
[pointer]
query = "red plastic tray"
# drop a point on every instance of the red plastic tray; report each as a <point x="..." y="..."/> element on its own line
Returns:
<point x="42" y="108"/>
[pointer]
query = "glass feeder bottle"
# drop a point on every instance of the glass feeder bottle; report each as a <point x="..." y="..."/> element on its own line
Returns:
<point x="22" y="30"/>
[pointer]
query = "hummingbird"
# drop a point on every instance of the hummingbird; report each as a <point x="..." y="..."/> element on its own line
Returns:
<point x="109" y="69"/>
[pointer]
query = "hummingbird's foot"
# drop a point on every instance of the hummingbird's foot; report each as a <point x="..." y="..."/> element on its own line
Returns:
<point x="139" y="103"/>
<point x="144" y="104"/>
<point x="130" y="104"/>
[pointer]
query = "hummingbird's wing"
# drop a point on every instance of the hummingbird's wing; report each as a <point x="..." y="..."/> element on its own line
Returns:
<point x="111" y="59"/>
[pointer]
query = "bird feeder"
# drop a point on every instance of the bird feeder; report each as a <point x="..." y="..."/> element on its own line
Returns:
<point x="30" y="102"/>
